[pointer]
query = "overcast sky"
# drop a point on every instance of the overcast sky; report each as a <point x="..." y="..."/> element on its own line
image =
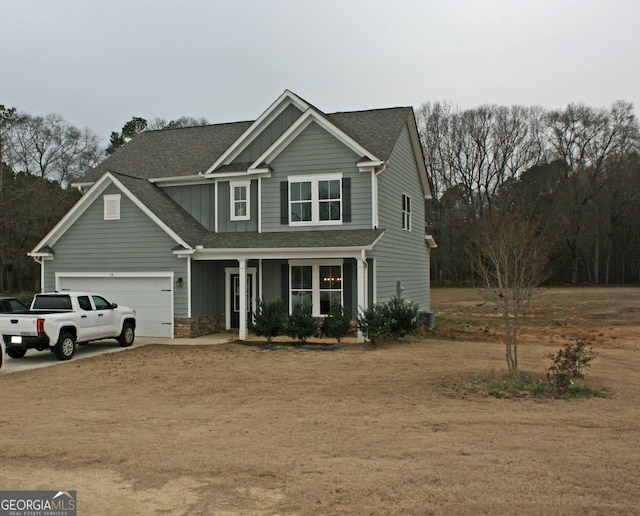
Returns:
<point x="99" y="63"/>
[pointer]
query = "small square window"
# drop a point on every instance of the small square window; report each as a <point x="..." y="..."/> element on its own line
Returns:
<point x="112" y="207"/>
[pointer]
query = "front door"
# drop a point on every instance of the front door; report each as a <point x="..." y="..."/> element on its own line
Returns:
<point x="234" y="301"/>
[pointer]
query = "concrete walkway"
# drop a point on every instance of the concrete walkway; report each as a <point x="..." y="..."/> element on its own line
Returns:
<point x="34" y="359"/>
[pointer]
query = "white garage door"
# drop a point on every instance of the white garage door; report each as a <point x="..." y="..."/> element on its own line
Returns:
<point x="150" y="297"/>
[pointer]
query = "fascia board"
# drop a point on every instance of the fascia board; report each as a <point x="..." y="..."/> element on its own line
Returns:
<point x="73" y="214"/>
<point x="280" y="253"/>
<point x="310" y="115"/>
<point x="419" y="155"/>
<point x="278" y="106"/>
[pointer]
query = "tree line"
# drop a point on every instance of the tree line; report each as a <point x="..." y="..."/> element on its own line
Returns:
<point x="574" y="172"/>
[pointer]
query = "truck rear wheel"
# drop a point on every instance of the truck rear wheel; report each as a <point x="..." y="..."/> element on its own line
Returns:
<point x="16" y="352"/>
<point x="66" y="346"/>
<point x="127" y="336"/>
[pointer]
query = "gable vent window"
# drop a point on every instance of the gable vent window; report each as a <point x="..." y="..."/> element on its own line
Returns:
<point x="406" y="212"/>
<point x="112" y="207"/>
<point x="240" y="200"/>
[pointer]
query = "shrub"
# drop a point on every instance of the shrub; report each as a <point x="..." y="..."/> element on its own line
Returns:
<point x="337" y="323"/>
<point x="301" y="324"/>
<point x="269" y="319"/>
<point x="403" y="317"/>
<point x="568" y="363"/>
<point x="393" y="319"/>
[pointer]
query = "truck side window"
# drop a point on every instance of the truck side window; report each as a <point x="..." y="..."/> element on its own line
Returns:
<point x="101" y="303"/>
<point x="84" y="303"/>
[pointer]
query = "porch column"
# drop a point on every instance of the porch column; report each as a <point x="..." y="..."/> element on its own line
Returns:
<point x="362" y="297"/>
<point x="242" y="333"/>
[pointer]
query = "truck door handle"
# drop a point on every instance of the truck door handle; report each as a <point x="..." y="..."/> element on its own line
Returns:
<point x="83" y="316"/>
<point x="100" y="315"/>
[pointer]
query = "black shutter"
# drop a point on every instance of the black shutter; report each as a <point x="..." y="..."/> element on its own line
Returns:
<point x="346" y="199"/>
<point x="284" y="202"/>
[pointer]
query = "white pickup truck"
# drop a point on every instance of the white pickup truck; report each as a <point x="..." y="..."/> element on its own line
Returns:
<point x="59" y="320"/>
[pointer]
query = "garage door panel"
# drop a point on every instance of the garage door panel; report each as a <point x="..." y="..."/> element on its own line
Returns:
<point x="150" y="297"/>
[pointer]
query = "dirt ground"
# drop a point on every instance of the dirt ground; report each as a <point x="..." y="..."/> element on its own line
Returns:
<point x="352" y="429"/>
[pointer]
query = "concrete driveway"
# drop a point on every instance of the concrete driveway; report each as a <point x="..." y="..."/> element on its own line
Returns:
<point x="34" y="359"/>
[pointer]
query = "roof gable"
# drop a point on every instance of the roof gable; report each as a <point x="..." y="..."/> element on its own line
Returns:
<point x="159" y="207"/>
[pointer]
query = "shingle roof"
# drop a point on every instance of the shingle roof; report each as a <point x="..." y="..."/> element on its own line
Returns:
<point x="165" y="208"/>
<point x="171" y="152"/>
<point x="191" y="150"/>
<point x="346" y="238"/>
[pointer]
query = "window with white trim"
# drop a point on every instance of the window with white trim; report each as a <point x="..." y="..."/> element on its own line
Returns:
<point x="317" y="285"/>
<point x="111" y="206"/>
<point x="240" y="200"/>
<point x="315" y="199"/>
<point x="406" y="212"/>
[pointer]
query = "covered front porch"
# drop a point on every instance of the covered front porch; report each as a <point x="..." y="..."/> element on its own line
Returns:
<point x="296" y="269"/>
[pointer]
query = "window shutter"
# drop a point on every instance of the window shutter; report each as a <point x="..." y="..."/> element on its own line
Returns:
<point x="284" y="202"/>
<point x="346" y="199"/>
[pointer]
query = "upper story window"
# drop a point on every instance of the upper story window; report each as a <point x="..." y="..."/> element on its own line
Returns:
<point x="315" y="200"/>
<point x="406" y="212"/>
<point x="240" y="200"/>
<point x="111" y="207"/>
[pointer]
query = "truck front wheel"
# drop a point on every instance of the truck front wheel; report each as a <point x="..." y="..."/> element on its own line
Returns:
<point x="127" y="336"/>
<point x="66" y="346"/>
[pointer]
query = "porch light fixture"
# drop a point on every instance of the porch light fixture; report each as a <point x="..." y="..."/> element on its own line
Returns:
<point x="179" y="282"/>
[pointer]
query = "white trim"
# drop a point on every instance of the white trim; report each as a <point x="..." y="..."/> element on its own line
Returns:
<point x="188" y="287"/>
<point x="246" y="184"/>
<point x="406" y="213"/>
<point x="216" y="212"/>
<point x="228" y="271"/>
<point x="430" y="241"/>
<point x="111" y="204"/>
<point x="315" y="280"/>
<point x="309" y="116"/>
<point x="315" y="199"/>
<point x="88" y="199"/>
<point x="259" y="204"/>
<point x="278" y="106"/>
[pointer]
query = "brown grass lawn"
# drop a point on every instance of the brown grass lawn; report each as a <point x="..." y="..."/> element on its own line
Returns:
<point x="355" y="429"/>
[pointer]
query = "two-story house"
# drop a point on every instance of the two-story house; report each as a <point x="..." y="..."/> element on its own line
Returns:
<point x="191" y="226"/>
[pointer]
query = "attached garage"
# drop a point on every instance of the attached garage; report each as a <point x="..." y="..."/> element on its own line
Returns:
<point x="151" y="296"/>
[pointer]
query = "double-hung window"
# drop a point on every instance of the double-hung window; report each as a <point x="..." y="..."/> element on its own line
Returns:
<point x="315" y="199"/>
<point x="240" y="200"/>
<point x="316" y="285"/>
<point x="406" y="212"/>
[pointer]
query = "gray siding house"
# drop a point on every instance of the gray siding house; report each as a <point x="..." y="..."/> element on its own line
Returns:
<point x="192" y="226"/>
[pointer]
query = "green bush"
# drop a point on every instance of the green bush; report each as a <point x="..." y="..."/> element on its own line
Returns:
<point x="568" y="364"/>
<point x="393" y="319"/>
<point x="269" y="319"/>
<point x="337" y="323"/>
<point x="301" y="324"/>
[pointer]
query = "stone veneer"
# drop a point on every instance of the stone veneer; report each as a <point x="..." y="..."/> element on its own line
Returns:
<point x="198" y="326"/>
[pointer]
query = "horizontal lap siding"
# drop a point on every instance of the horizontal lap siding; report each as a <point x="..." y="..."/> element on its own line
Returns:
<point x="402" y="255"/>
<point x="315" y="151"/>
<point x="132" y="244"/>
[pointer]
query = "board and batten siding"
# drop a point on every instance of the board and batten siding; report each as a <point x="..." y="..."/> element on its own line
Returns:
<point x="315" y="151"/>
<point x="208" y="287"/>
<point x="225" y="224"/>
<point x="132" y="244"/>
<point x="269" y="135"/>
<point x="402" y="255"/>
<point x="198" y="200"/>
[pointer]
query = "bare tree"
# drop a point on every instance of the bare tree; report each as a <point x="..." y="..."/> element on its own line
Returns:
<point x="50" y="148"/>
<point x="592" y="144"/>
<point x="510" y="256"/>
